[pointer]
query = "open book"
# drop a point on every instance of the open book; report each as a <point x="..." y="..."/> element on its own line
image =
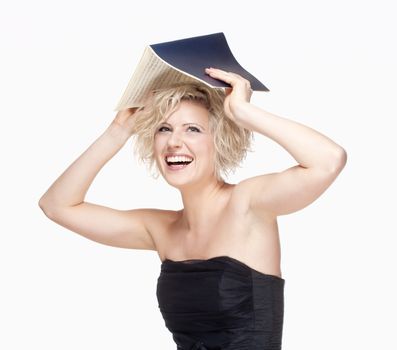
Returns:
<point x="181" y="61"/>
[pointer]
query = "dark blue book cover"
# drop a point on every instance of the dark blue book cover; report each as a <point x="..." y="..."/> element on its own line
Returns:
<point x="193" y="55"/>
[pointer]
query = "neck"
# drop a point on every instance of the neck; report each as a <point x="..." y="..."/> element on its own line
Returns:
<point x="201" y="203"/>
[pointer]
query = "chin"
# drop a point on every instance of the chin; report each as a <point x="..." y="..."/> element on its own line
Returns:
<point x="178" y="183"/>
<point x="183" y="178"/>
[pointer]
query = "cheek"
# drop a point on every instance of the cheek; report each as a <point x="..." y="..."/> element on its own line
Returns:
<point x="212" y="151"/>
<point x="206" y="147"/>
<point x="158" y="144"/>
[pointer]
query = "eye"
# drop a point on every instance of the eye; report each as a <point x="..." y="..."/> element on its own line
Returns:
<point x="164" y="128"/>
<point x="193" y="128"/>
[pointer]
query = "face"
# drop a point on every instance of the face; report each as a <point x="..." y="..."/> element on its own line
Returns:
<point x="184" y="146"/>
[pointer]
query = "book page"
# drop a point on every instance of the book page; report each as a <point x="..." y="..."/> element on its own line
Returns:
<point x="152" y="72"/>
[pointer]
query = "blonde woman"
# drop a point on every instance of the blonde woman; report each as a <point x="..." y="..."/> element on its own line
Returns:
<point x="220" y="285"/>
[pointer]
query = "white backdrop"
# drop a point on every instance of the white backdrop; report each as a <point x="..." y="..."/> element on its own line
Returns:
<point x="64" y="65"/>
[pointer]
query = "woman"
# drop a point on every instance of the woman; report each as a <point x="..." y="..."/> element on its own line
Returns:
<point x="220" y="285"/>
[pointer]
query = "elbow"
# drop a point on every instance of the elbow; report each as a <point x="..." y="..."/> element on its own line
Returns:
<point x="339" y="161"/>
<point x="44" y="207"/>
<point x="41" y="203"/>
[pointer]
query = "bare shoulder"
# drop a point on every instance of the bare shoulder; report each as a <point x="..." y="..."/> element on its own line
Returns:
<point x="157" y="217"/>
<point x="241" y="198"/>
<point x="157" y="223"/>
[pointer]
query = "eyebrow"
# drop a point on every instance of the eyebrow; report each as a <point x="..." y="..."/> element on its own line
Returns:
<point x="165" y="123"/>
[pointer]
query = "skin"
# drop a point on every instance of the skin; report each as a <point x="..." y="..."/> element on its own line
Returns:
<point x="187" y="132"/>
<point x="217" y="218"/>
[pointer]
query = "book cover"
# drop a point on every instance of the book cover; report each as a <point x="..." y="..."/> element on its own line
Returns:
<point x="182" y="60"/>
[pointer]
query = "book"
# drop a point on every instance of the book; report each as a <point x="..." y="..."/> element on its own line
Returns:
<point x="182" y="61"/>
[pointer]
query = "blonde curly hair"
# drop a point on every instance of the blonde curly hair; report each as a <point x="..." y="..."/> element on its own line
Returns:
<point x="230" y="140"/>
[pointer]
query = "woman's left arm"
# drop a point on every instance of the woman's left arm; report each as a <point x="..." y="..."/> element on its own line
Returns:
<point x="320" y="159"/>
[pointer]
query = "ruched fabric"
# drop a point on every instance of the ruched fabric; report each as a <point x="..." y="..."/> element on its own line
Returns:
<point x="221" y="304"/>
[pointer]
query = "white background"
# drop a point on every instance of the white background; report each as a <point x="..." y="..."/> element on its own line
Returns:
<point x="64" y="65"/>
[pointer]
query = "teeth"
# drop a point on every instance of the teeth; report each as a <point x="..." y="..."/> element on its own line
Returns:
<point x="178" y="159"/>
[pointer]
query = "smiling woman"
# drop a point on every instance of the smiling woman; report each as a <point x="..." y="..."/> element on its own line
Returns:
<point x="231" y="142"/>
<point x="220" y="285"/>
<point x="179" y="147"/>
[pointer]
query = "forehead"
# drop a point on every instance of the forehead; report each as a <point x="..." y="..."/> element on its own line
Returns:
<point x="188" y="112"/>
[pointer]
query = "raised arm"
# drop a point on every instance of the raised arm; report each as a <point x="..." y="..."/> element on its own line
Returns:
<point x="320" y="159"/>
<point x="64" y="203"/>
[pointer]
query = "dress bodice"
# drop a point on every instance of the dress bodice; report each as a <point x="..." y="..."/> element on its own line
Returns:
<point x="221" y="303"/>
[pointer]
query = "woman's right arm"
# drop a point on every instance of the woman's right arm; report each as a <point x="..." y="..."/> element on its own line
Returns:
<point x="64" y="204"/>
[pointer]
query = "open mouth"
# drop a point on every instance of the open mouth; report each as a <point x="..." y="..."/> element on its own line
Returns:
<point x="178" y="162"/>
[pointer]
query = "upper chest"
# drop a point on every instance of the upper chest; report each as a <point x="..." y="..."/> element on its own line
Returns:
<point x="228" y="230"/>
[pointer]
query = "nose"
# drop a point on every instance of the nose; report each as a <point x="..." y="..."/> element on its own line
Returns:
<point x="175" y="140"/>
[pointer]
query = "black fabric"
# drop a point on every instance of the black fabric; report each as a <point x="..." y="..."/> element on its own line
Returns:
<point x="220" y="303"/>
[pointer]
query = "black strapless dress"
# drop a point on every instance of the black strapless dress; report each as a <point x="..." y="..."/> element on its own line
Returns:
<point x="221" y="304"/>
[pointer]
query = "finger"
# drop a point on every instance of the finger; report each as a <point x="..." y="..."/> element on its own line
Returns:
<point x="221" y="75"/>
<point x="228" y="77"/>
<point x="223" y="72"/>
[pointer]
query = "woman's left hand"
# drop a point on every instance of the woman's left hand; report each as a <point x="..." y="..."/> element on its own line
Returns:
<point x="237" y="96"/>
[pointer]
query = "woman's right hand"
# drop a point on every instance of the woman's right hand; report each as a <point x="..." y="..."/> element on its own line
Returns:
<point x="122" y="126"/>
<point x="125" y="120"/>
